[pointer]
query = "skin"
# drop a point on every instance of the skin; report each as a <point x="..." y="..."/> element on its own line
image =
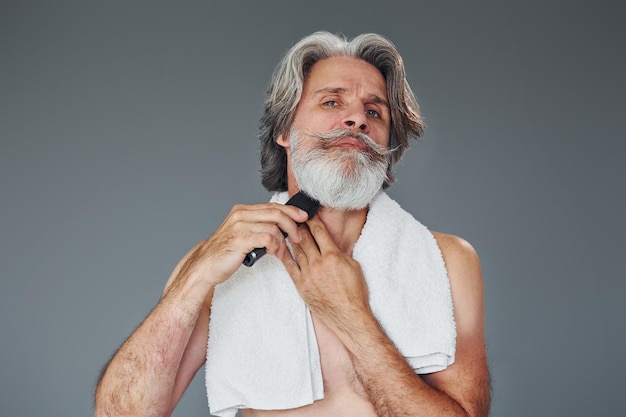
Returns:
<point x="364" y="374"/>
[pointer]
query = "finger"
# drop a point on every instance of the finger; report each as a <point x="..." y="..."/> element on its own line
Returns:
<point x="307" y="243"/>
<point x="267" y="236"/>
<point x="320" y="235"/>
<point x="292" y="267"/>
<point x="241" y="237"/>
<point x="252" y="233"/>
<point x="286" y="218"/>
<point x="298" y="215"/>
<point x="300" y="256"/>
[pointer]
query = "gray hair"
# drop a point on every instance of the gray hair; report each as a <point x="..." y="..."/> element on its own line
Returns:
<point x="286" y="87"/>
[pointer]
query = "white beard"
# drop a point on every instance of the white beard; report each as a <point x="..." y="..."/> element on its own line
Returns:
<point x="338" y="177"/>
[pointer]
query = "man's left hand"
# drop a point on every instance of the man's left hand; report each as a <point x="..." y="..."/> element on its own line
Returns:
<point x="330" y="282"/>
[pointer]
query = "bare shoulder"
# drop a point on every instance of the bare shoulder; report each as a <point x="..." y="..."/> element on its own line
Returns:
<point x="463" y="265"/>
<point x="467" y="379"/>
<point x="466" y="282"/>
<point x="456" y="250"/>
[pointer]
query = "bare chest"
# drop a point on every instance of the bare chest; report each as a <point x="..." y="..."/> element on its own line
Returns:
<point x="337" y="370"/>
<point x="343" y="393"/>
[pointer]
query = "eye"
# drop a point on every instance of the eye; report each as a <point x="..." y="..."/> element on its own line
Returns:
<point x="330" y="103"/>
<point x="372" y="113"/>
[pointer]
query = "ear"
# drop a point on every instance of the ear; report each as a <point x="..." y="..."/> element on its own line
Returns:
<point x="283" y="140"/>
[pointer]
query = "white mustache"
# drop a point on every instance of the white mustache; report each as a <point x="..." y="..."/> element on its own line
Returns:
<point x="373" y="148"/>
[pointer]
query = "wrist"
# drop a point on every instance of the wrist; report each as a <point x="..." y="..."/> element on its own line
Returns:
<point x="359" y="330"/>
<point x="190" y="290"/>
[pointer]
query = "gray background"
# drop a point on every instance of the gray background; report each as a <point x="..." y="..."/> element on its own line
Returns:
<point x="128" y="131"/>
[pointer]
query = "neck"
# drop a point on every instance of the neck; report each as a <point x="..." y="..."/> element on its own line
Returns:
<point x="344" y="226"/>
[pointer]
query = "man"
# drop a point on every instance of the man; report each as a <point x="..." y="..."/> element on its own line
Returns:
<point x="319" y="332"/>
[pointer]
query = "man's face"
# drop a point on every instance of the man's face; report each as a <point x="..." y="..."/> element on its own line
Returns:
<point x="344" y="92"/>
<point x="342" y="99"/>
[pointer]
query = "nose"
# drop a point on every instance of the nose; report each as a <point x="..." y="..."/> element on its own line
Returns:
<point x="356" y="120"/>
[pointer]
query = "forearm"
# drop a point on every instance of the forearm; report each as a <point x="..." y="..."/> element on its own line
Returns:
<point x="392" y="385"/>
<point x="140" y="378"/>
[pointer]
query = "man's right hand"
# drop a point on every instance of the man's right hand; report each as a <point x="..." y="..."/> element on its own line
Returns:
<point x="246" y="227"/>
<point x="152" y="369"/>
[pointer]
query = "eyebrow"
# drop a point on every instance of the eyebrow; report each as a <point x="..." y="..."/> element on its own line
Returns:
<point x="340" y="90"/>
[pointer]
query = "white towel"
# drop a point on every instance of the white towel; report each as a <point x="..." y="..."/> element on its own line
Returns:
<point x="262" y="351"/>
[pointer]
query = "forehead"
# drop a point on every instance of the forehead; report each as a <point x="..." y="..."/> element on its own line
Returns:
<point x="345" y="73"/>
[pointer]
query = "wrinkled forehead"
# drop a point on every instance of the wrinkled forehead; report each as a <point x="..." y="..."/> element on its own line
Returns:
<point x="344" y="75"/>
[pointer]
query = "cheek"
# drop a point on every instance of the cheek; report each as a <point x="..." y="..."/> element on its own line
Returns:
<point x="317" y="122"/>
<point x="304" y="146"/>
<point x="381" y="137"/>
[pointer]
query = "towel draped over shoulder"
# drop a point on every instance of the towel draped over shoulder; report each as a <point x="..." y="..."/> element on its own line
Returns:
<point x="262" y="350"/>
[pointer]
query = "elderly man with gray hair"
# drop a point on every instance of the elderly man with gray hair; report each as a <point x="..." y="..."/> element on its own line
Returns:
<point x="358" y="309"/>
